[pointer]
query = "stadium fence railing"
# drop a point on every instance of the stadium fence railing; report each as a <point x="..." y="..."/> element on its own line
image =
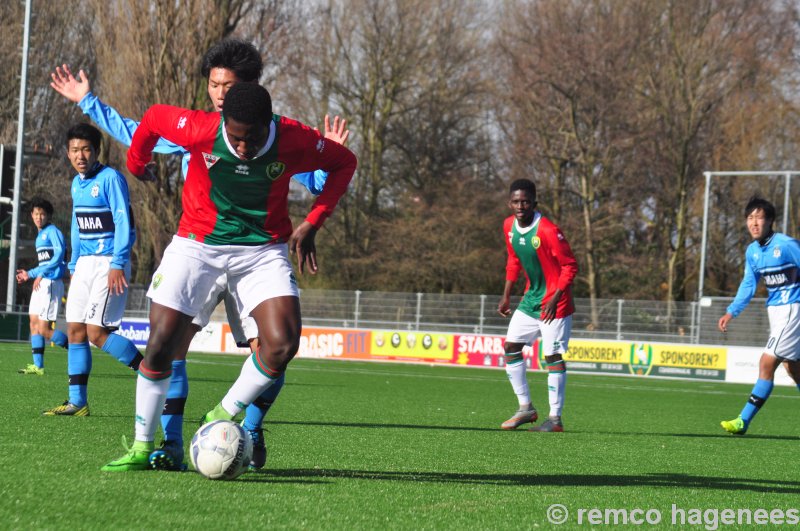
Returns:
<point x="616" y="319"/>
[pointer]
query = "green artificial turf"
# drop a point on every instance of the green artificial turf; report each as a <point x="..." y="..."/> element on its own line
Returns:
<point x="367" y="445"/>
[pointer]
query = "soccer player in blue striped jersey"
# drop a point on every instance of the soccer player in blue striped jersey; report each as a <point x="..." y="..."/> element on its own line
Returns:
<point x="774" y="257"/>
<point x="48" y="288"/>
<point x="102" y="236"/>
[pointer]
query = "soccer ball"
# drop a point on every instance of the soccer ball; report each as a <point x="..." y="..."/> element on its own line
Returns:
<point x="221" y="449"/>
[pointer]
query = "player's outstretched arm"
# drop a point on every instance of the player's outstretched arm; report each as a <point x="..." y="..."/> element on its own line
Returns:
<point x="72" y="88"/>
<point x="338" y="132"/>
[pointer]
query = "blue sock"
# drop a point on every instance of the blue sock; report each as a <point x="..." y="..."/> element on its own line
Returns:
<point x="255" y="412"/>
<point x="758" y="396"/>
<point x="172" y="416"/>
<point x="59" y="338"/>
<point x="37" y="347"/>
<point x="124" y="350"/>
<point x="79" y="365"/>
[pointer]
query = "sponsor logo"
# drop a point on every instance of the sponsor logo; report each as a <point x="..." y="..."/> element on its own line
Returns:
<point x="292" y="279"/>
<point x="182" y="122"/>
<point x="275" y="170"/>
<point x="93" y="311"/>
<point x="157" y="278"/>
<point x="536" y="242"/>
<point x="427" y="341"/>
<point x="320" y="145"/>
<point x="90" y="223"/>
<point x="45" y="255"/>
<point x="395" y="340"/>
<point x="95" y="191"/>
<point x="209" y="159"/>
<point x="641" y="361"/>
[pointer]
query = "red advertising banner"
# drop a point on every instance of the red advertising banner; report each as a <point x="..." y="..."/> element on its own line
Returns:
<point x="487" y="351"/>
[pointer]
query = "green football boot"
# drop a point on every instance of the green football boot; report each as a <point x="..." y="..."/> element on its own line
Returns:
<point x="67" y="409"/>
<point x="735" y="426"/>
<point x="32" y="369"/>
<point x="218" y="413"/>
<point x="137" y="458"/>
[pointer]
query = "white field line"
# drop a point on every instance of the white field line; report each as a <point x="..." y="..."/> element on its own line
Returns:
<point x="650" y="388"/>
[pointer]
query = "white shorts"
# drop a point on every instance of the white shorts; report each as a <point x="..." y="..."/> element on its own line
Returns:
<point x="190" y="270"/>
<point x="46" y="300"/>
<point x="88" y="300"/>
<point x="240" y="327"/>
<point x="555" y="335"/>
<point x="784" y="331"/>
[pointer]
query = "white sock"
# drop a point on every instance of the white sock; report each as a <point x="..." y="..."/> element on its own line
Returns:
<point x="150" y="398"/>
<point x="250" y="384"/>
<point x="519" y="382"/>
<point x="556" y="382"/>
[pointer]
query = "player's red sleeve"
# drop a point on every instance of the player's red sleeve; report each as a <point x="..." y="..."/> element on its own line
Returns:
<point x="513" y="265"/>
<point x="340" y="163"/>
<point x="561" y="251"/>
<point x="179" y="126"/>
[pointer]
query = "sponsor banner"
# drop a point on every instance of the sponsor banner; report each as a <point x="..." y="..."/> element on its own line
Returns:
<point x="411" y="346"/>
<point x="334" y="343"/>
<point x="690" y="361"/>
<point x="742" y="367"/>
<point x="487" y="351"/>
<point x="208" y="339"/>
<point x="596" y="356"/>
<point x="137" y="330"/>
<point x="227" y="343"/>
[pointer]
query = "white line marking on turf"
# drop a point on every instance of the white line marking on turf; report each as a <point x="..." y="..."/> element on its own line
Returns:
<point x="650" y="388"/>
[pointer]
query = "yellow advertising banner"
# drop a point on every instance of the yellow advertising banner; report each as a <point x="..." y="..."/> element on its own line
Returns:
<point x="412" y="345"/>
<point x="690" y="356"/>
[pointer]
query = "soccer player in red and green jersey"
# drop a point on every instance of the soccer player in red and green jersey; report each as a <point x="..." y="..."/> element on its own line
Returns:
<point x="537" y="247"/>
<point x="235" y="222"/>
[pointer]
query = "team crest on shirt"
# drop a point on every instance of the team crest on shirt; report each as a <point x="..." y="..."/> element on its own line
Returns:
<point x="44" y="236"/>
<point x="95" y="191"/>
<point x="536" y="242"/>
<point x="157" y="280"/>
<point x="209" y="159"/>
<point x="275" y="170"/>
<point x="776" y="252"/>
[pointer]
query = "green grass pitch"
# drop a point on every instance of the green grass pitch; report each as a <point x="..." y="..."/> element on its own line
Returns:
<point x="368" y="445"/>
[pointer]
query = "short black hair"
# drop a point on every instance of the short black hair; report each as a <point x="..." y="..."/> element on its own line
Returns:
<point x="41" y="202"/>
<point x="236" y="55"/>
<point x="524" y="184"/>
<point x="248" y="103"/>
<point x="759" y="203"/>
<point x="85" y="132"/>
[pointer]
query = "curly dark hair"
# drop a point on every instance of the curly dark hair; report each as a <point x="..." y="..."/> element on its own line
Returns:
<point x="248" y="103"/>
<point x="524" y="184"/>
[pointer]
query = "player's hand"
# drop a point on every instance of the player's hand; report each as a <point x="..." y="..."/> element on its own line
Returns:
<point x="548" y="312"/>
<point x="149" y="173"/>
<point x="116" y="282"/>
<point x="68" y="86"/>
<point x="301" y="243"/>
<point x="22" y="276"/>
<point x="36" y="283"/>
<point x="723" y="322"/>
<point x="337" y="133"/>
<point x="504" y="307"/>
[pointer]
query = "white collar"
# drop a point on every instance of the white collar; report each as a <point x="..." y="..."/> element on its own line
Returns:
<point x="261" y="151"/>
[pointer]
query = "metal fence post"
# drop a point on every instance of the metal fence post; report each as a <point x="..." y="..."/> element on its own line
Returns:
<point x="419" y="308"/>
<point x="619" y="319"/>
<point x="693" y="326"/>
<point x="357" y="311"/>
<point x="482" y="318"/>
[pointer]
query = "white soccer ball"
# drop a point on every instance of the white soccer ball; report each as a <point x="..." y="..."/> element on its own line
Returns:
<point x="221" y="449"/>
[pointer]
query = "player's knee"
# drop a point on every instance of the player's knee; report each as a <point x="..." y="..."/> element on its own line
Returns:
<point x="554" y="358"/>
<point x="281" y="350"/>
<point x="513" y="347"/>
